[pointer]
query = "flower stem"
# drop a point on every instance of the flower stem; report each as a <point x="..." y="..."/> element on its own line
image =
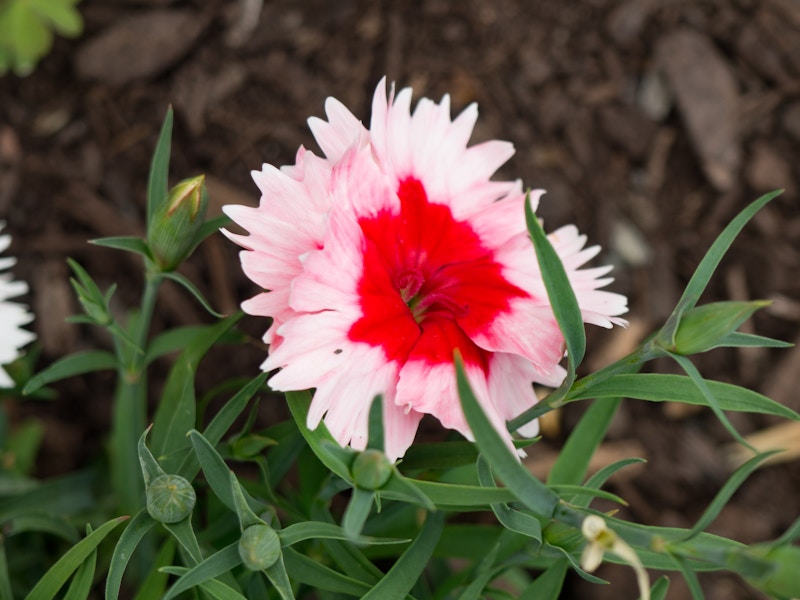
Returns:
<point x="130" y="404"/>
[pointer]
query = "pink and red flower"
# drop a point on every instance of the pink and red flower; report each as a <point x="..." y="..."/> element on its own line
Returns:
<point x="381" y="259"/>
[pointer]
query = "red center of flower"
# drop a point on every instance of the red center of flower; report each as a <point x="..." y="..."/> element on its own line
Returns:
<point x="424" y="273"/>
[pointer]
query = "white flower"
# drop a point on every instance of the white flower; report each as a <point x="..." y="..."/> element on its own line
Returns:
<point x="12" y="314"/>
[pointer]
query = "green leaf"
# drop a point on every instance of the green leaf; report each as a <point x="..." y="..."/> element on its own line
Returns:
<point x="738" y="339"/>
<point x="692" y="582"/>
<point x="158" y="180"/>
<point x="135" y="531"/>
<point x="79" y="363"/>
<point x="303" y="569"/>
<point x="307" y="530"/>
<point x="357" y="511"/>
<point x="573" y="460"/>
<point x="219" y="477"/>
<point x="247" y="517"/>
<point x="68" y="494"/>
<point x="81" y="584"/>
<point x="657" y="387"/>
<point x="708" y="395"/>
<point x="43" y="522"/>
<point x="279" y="579"/>
<point x="375" y="429"/>
<point x="511" y="519"/>
<point x="210" y="227"/>
<point x="725" y="494"/>
<point x="214" y="588"/>
<point x="702" y="275"/>
<point x="193" y="290"/>
<point x="561" y="295"/>
<point x="184" y="534"/>
<point x="150" y="467"/>
<point x="566" y="490"/>
<point x="62" y="16"/>
<point x="660" y="588"/>
<point x="127" y="243"/>
<point x="218" y="563"/>
<point x="408" y="568"/>
<point x="547" y="586"/>
<point x="23" y="446"/>
<point x="52" y="581"/>
<point x="6" y="593"/>
<point x="337" y="462"/>
<point x="175" y="415"/>
<point x="448" y="496"/>
<point x="597" y="480"/>
<point x="155" y="584"/>
<point x="223" y="420"/>
<point x="529" y="490"/>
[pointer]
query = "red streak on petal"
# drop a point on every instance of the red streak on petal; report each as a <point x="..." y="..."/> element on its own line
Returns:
<point x="423" y="252"/>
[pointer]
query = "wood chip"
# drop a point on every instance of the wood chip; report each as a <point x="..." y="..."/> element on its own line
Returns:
<point x="707" y="97"/>
<point x="140" y="46"/>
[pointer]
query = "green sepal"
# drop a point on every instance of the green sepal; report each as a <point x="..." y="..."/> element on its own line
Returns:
<point x="705" y="327"/>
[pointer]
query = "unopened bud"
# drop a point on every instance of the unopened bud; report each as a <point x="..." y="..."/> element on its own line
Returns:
<point x="371" y="470"/>
<point x="170" y="498"/>
<point x="174" y="225"/>
<point x="706" y="327"/>
<point x="259" y="547"/>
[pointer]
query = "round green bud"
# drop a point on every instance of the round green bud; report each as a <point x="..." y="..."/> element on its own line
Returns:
<point x="259" y="547"/>
<point x="371" y="470"/>
<point x="170" y="498"/>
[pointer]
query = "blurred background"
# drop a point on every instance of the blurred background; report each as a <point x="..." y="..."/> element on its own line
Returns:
<point x="651" y="123"/>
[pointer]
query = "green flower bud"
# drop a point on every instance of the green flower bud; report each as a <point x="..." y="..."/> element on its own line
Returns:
<point x="371" y="470"/>
<point x="259" y="547"/>
<point x="706" y="327"/>
<point x="176" y="221"/>
<point x="782" y="580"/>
<point x="170" y="498"/>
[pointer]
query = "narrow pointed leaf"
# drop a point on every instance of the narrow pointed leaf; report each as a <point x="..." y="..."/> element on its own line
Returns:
<point x="307" y="530"/>
<point x="702" y="275"/>
<point x="134" y="532"/>
<point x="193" y="290"/>
<point x="184" y="534"/>
<point x="737" y="339"/>
<point x="298" y="405"/>
<point x="218" y="590"/>
<point x="158" y="180"/>
<point x="547" y="585"/>
<point x="52" y="581"/>
<point x="303" y="569"/>
<point x="218" y="563"/>
<point x="79" y="363"/>
<point x="408" y="568"/>
<point x="375" y="429"/>
<point x="529" y="490"/>
<point x="280" y="579"/>
<point x="175" y="415"/>
<point x="128" y="243"/>
<point x="511" y="519"/>
<point x="81" y="584"/>
<point x="155" y="584"/>
<point x="724" y="495"/>
<point x="357" y="511"/>
<point x="657" y="387"/>
<point x="223" y="421"/>
<point x="573" y="460"/>
<point x="597" y="480"/>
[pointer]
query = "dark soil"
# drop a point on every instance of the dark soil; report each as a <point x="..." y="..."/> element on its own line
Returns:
<point x="651" y="123"/>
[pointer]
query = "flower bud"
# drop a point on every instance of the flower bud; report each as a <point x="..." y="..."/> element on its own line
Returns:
<point x="176" y="221"/>
<point x="170" y="498"/>
<point x="259" y="547"/>
<point x="706" y="327"/>
<point x="371" y="470"/>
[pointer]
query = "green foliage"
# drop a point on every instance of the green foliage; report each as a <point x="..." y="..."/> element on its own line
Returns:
<point x="26" y="31"/>
<point x="224" y="509"/>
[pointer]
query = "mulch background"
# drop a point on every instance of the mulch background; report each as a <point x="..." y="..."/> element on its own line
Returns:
<point x="651" y="123"/>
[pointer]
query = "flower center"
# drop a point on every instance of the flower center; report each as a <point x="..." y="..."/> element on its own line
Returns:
<point x="425" y="296"/>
